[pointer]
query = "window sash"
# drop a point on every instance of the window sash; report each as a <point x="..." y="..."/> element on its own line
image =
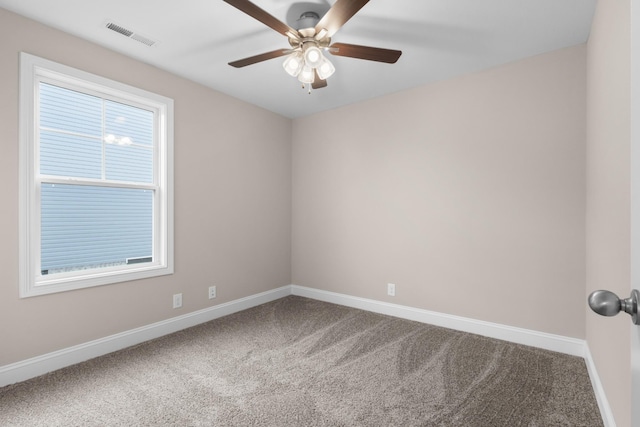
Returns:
<point x="104" y="95"/>
<point x="85" y="228"/>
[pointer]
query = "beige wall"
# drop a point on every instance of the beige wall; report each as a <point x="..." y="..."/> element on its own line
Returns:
<point x="608" y="195"/>
<point x="232" y="203"/>
<point x="468" y="194"/>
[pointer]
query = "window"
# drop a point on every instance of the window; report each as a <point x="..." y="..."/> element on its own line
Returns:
<point x="95" y="180"/>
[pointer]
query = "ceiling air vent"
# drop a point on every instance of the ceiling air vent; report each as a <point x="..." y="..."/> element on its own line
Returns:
<point x="131" y="34"/>
<point x="143" y="39"/>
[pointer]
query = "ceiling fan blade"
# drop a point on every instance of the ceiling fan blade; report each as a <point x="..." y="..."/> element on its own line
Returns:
<point x="338" y="15"/>
<point x="259" y="58"/>
<point x="365" y="52"/>
<point x="263" y="16"/>
<point x="318" y="83"/>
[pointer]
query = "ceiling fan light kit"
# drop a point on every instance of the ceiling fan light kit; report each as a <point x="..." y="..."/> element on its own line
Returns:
<point x="307" y="61"/>
<point x="306" y="65"/>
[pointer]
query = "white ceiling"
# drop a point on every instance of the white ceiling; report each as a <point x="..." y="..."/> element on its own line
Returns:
<point x="439" y="39"/>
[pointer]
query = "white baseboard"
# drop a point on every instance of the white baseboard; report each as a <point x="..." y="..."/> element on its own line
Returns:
<point x="598" y="389"/>
<point x="30" y="368"/>
<point x="558" y="343"/>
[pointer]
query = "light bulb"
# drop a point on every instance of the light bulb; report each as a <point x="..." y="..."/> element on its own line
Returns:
<point x="313" y="56"/>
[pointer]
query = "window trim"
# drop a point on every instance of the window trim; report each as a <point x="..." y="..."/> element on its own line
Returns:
<point x="34" y="69"/>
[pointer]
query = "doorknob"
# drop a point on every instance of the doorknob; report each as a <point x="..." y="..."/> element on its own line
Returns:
<point x="606" y="303"/>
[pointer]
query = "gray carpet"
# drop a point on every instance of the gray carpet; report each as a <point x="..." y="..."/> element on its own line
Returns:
<point x="300" y="362"/>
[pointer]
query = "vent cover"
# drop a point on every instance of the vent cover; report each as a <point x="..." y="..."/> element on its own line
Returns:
<point x="143" y="39"/>
<point x="119" y="29"/>
<point x="130" y="34"/>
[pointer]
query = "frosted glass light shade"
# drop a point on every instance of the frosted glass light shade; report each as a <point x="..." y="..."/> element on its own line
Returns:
<point x="306" y="75"/>
<point x="326" y="69"/>
<point x="293" y="64"/>
<point x="313" y="56"/>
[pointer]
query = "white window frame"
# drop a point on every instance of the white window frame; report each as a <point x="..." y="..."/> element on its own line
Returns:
<point x="32" y="283"/>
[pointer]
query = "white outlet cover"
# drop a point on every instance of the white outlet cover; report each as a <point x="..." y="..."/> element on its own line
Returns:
<point x="391" y="289"/>
<point x="177" y="300"/>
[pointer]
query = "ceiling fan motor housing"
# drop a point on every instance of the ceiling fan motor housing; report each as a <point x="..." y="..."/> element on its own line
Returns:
<point x="308" y="20"/>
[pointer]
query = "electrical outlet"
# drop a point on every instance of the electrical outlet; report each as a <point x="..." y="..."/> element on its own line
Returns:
<point x="212" y="292"/>
<point x="391" y="289"/>
<point x="177" y="300"/>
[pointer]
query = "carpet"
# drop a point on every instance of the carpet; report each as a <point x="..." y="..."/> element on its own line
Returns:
<point x="302" y="362"/>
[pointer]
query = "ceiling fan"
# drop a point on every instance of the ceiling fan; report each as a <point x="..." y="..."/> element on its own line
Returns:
<point x="305" y="59"/>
